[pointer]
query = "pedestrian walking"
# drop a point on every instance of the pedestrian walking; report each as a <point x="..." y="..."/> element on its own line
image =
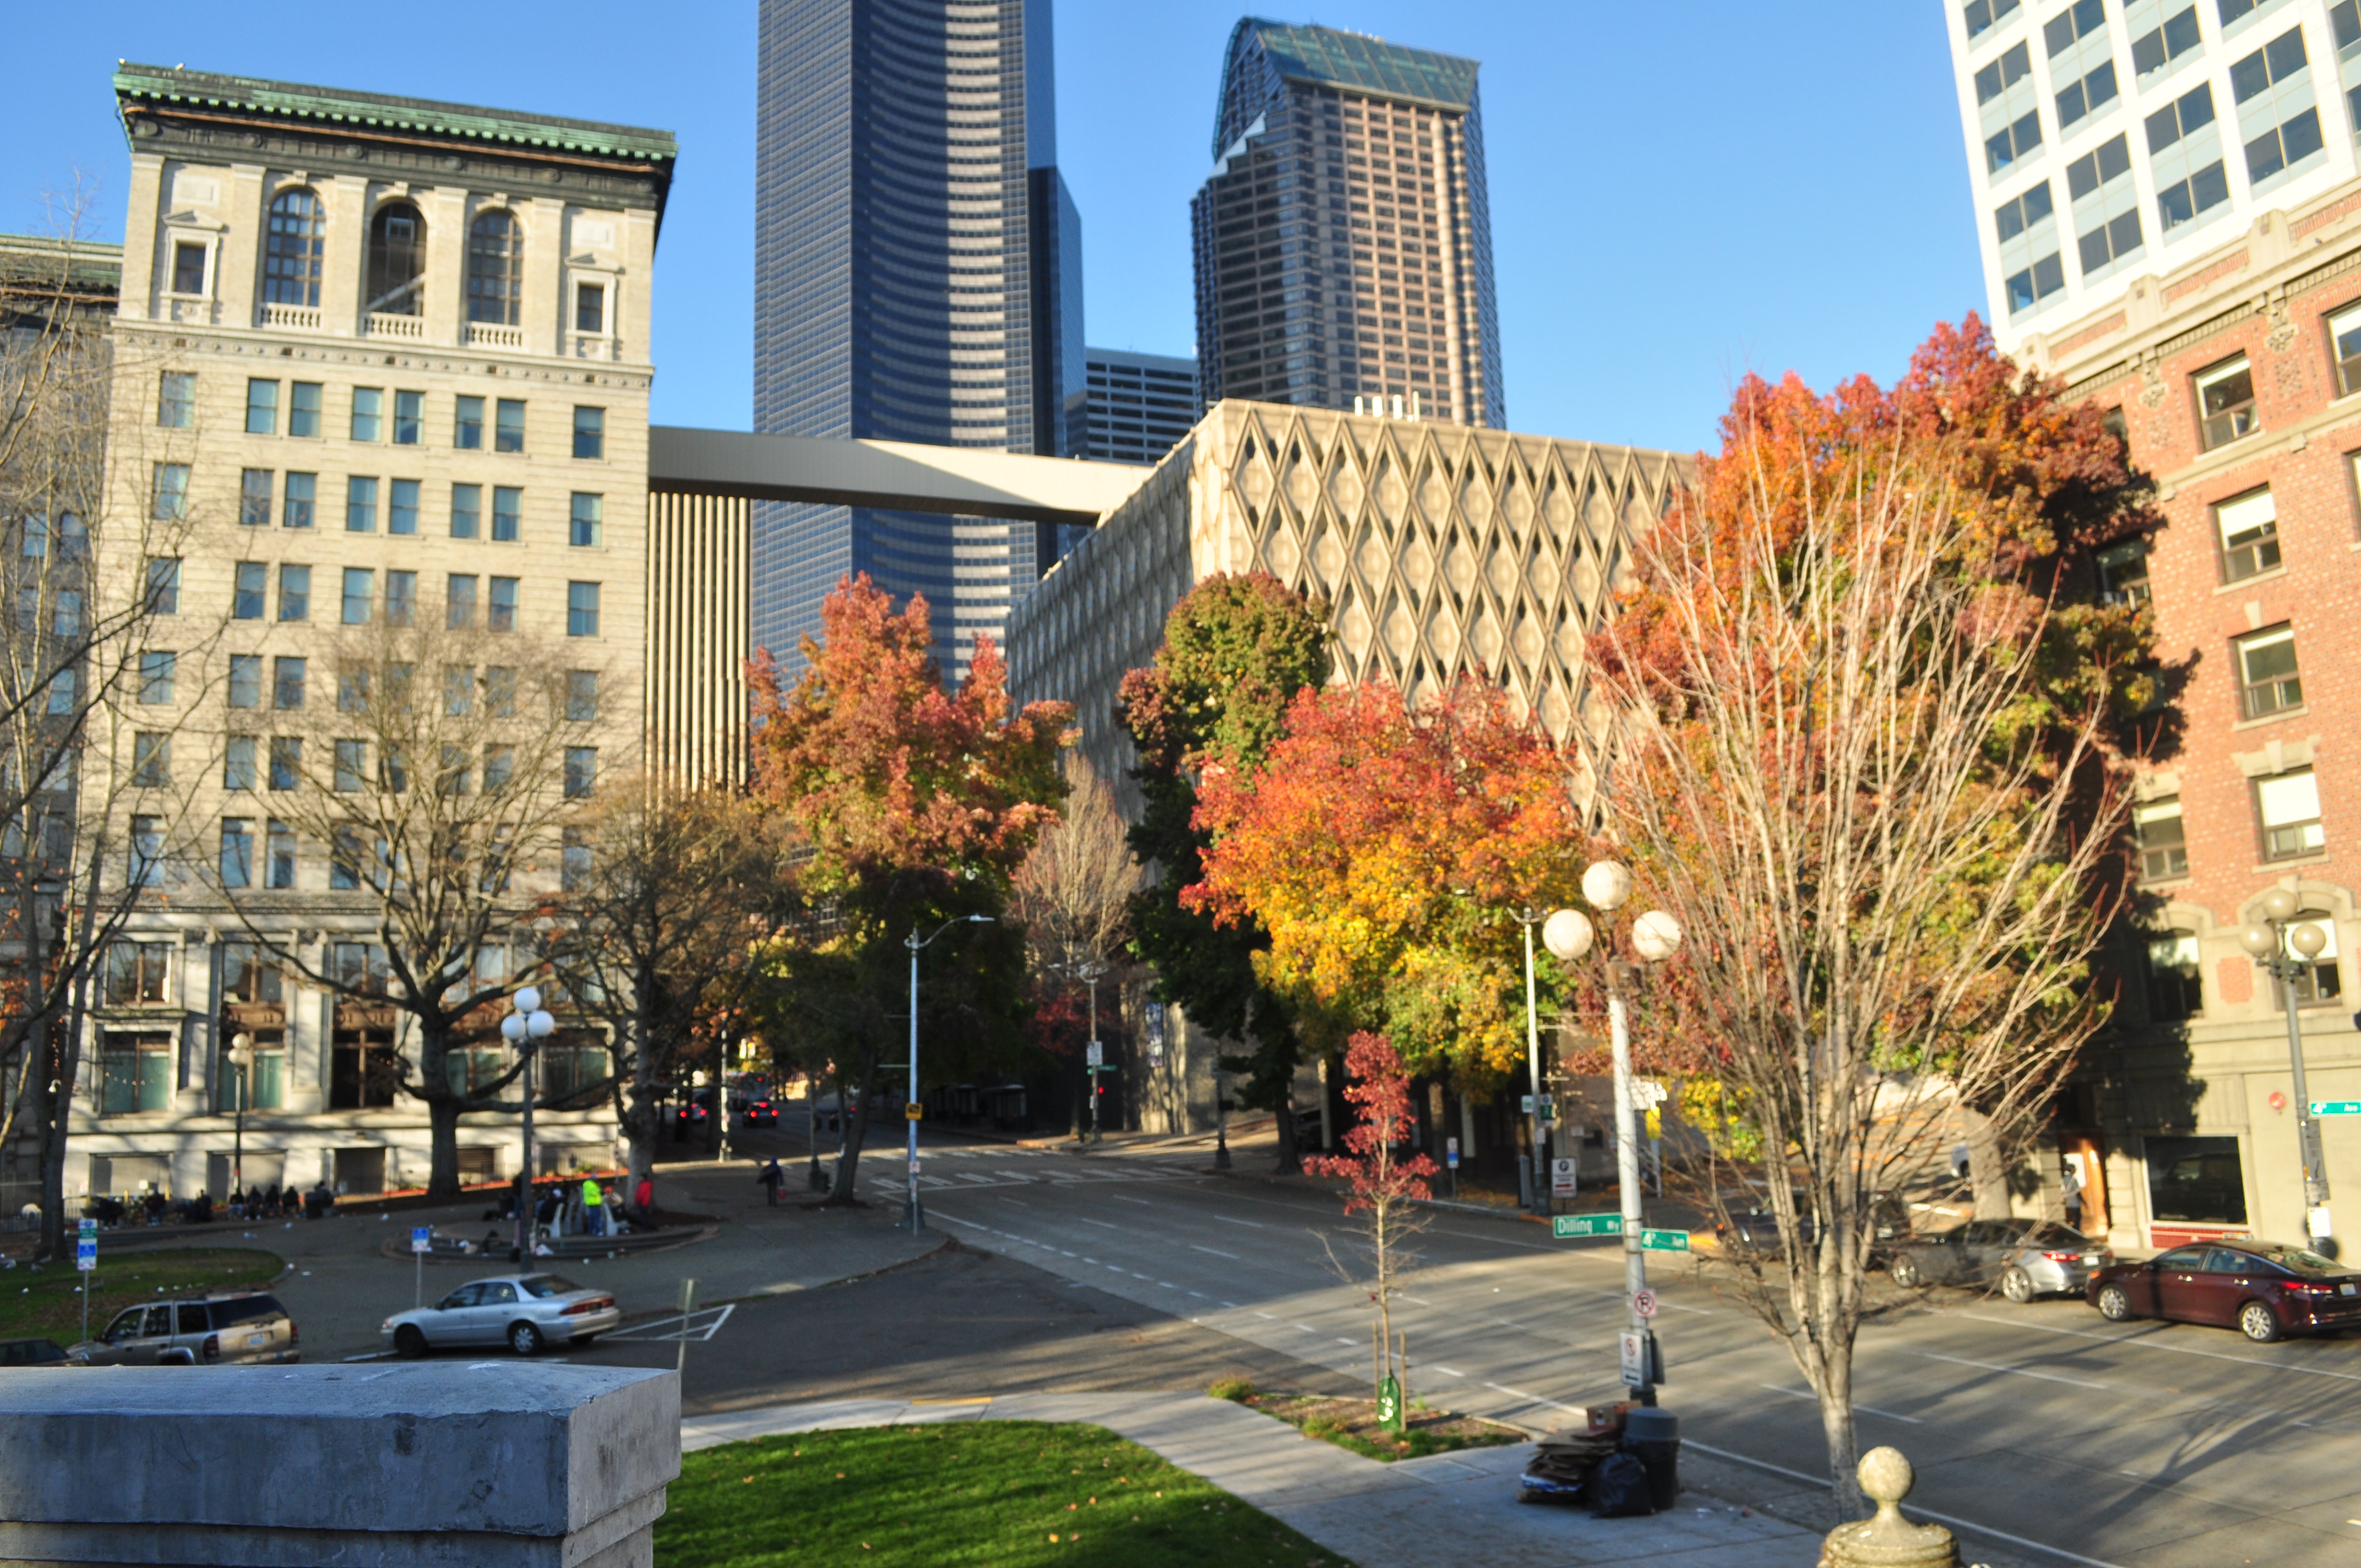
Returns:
<point x="771" y="1177"/>
<point x="2071" y="1183"/>
<point x="594" y="1207"/>
<point x="644" y="1199"/>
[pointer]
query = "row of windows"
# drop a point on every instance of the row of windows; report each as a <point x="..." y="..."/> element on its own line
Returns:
<point x="375" y="414"/>
<point x="294" y="498"/>
<point x="359" y="605"/>
<point x="2176" y="985"/>
<point x="353" y="863"/>
<point x="2286" y="825"/>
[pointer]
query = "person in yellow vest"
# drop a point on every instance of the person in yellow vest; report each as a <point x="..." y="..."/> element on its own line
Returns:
<point x="594" y="1207"/>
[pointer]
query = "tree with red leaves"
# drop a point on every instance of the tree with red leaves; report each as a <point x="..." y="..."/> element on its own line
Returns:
<point x="1385" y="1188"/>
<point x="917" y="806"/>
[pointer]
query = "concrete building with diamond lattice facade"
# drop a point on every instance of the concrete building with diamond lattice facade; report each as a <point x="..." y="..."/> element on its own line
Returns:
<point x="1443" y="550"/>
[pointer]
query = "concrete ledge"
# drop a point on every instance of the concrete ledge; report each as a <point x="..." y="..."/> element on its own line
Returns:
<point x="440" y="1465"/>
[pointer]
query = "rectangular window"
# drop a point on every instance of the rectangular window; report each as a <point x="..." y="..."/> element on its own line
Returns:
<point x="467" y="510"/>
<point x="2185" y="146"/>
<point x="459" y="605"/>
<point x="248" y="975"/>
<point x="287" y="681"/>
<point x="1979" y="14"/>
<point x="245" y="680"/>
<point x="2010" y="116"/>
<point x="286" y="761"/>
<point x="467" y="424"/>
<point x="409" y="418"/>
<point x="2163" y="847"/>
<point x="588" y="517"/>
<point x="176" y="401"/>
<point x="2345" y="342"/>
<point x="2344" y="22"/>
<point x="368" y="412"/>
<point x="2249" y="531"/>
<point x="581" y="695"/>
<point x="503" y="607"/>
<point x="302" y="491"/>
<point x="151" y="760"/>
<point x="574" y="862"/>
<point x="2287" y="808"/>
<point x="508" y="431"/>
<point x="2081" y="59"/>
<point x="188" y="267"/>
<point x="345" y="854"/>
<point x="352" y="767"/>
<point x="295" y="593"/>
<point x="237" y="851"/>
<point x="500" y="767"/>
<point x="134" y="1074"/>
<point x="360" y="594"/>
<point x="136" y="971"/>
<point x="581" y="771"/>
<point x="304" y="409"/>
<point x="281" y="844"/>
<point x="2030" y="260"/>
<point x="2175" y="992"/>
<point x="361" y="505"/>
<point x="582" y="610"/>
<point x="2163" y="33"/>
<point x="459" y="691"/>
<point x="352" y="689"/>
<point x="451" y="781"/>
<point x="249" y="594"/>
<point x="589" y="308"/>
<point x="2225" y="402"/>
<point x="401" y="599"/>
<point x="589" y="433"/>
<point x="156" y="675"/>
<point x="2276" y="118"/>
<point x="500" y="691"/>
<point x="2268" y="681"/>
<point x="2106" y="207"/>
<point x="402" y="507"/>
<point x="62" y="692"/>
<point x="164" y="584"/>
<point x="254" y="498"/>
<point x="171" y="503"/>
<point x="2317" y="980"/>
<point x="261" y="408"/>
<point x="238" y="763"/>
<point x="148" y="853"/>
<point x="507" y="513"/>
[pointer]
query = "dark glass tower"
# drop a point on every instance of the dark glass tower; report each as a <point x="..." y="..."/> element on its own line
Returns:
<point x="1344" y="242"/>
<point x="917" y="277"/>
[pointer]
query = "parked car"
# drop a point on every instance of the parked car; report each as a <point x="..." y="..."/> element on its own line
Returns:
<point x="2024" y="1257"/>
<point x="523" y="1312"/>
<point x="691" y="1113"/>
<point x="761" y="1113"/>
<point x="2267" y="1289"/>
<point x="233" y="1328"/>
<point x="31" y="1352"/>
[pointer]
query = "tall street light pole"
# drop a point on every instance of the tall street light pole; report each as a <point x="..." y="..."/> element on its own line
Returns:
<point x="2288" y="950"/>
<point x="912" y="1214"/>
<point x="529" y="1023"/>
<point x="1090" y="972"/>
<point x="1537" y="1193"/>
<point x="241" y="1056"/>
<point x="1655" y="936"/>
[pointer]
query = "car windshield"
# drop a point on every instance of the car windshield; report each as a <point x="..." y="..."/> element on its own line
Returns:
<point x="2299" y="1260"/>
<point x="547" y="1285"/>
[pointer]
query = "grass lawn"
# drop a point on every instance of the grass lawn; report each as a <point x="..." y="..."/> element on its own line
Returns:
<point x="1001" y="1493"/>
<point x="46" y="1303"/>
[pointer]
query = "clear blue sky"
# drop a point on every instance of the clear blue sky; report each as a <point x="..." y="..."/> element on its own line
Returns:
<point x="1680" y="193"/>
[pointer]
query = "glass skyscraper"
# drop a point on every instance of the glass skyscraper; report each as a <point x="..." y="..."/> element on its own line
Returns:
<point x="1344" y="242"/>
<point x="917" y="277"/>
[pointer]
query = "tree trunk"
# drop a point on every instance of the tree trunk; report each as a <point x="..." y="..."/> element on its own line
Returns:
<point x="641" y="1124"/>
<point x="841" y="1193"/>
<point x="1290" y="1162"/>
<point x="443" y="1162"/>
<point x="57" y="1107"/>
<point x="1987" y="1166"/>
<point x="1837" y="1429"/>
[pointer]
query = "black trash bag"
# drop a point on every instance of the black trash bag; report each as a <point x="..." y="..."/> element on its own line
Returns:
<point x="1618" y="1488"/>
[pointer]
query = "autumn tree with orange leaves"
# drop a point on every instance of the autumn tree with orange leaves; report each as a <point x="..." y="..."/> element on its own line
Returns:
<point x="913" y="805"/>
<point x="1387" y="849"/>
<point x="1877" y="724"/>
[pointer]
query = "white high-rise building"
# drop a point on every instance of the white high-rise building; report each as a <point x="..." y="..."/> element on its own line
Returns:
<point x="2114" y="140"/>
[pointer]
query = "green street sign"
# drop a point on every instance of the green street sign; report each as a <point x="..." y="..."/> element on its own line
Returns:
<point x="1663" y="1241"/>
<point x="1564" y="1225"/>
<point x="2336" y="1107"/>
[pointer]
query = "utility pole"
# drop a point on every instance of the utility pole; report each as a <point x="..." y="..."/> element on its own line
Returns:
<point x="913" y="1214"/>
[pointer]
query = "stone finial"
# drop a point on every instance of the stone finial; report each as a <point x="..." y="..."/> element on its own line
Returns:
<point x="1888" y="1540"/>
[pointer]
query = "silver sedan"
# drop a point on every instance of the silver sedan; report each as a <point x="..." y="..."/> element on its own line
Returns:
<point x="523" y="1312"/>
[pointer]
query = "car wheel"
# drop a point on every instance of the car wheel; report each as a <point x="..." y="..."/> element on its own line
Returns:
<point x="2017" y="1284"/>
<point x="409" y="1342"/>
<point x="2259" y="1322"/>
<point x="2115" y="1304"/>
<point x="1904" y="1271"/>
<point x="524" y="1339"/>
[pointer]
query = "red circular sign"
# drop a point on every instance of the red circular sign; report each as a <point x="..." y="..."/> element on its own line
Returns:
<point x="1643" y="1301"/>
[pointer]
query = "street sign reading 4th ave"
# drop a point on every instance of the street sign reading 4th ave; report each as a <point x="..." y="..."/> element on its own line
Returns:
<point x="1663" y="1241"/>
<point x="2336" y="1107"/>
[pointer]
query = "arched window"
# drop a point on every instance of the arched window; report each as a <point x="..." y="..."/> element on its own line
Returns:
<point x="495" y="269"/>
<point x="292" y="249"/>
<point x="396" y="260"/>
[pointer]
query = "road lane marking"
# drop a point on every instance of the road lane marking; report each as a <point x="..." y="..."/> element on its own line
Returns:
<point x="1873" y="1410"/>
<point x="2013" y="1371"/>
<point x="1227" y="1220"/>
<point x="1100" y="1223"/>
<point x="1255" y="1310"/>
<point x="2142" y="1342"/>
<point x="1200" y="1295"/>
<point x="1537" y="1400"/>
<point x="1408" y="1297"/>
<point x="1347" y="1341"/>
<point x="1122" y="1198"/>
<point x="1446" y="1371"/>
<point x="1217" y="1252"/>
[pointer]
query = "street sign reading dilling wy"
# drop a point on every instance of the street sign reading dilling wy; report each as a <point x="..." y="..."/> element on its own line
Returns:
<point x="2336" y="1107"/>
<point x="1565" y="1225"/>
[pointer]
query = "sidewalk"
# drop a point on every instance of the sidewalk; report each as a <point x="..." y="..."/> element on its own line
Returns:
<point x="1412" y="1514"/>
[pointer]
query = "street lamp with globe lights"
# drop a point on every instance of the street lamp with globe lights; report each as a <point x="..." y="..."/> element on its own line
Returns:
<point x="529" y="1022"/>
<point x="241" y="1056"/>
<point x="2287" y="949"/>
<point x="1655" y="936"/>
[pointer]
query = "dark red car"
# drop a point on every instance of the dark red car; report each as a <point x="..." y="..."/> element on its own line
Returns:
<point x="2263" y="1289"/>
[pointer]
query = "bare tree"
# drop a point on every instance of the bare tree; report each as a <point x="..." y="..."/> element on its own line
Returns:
<point x="667" y="899"/>
<point x="1073" y="895"/>
<point x="428" y="777"/>
<point x="1882" y="810"/>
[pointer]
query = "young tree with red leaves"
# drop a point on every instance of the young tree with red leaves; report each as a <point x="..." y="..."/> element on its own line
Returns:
<point x="1387" y="1188"/>
<point x="1878" y="726"/>
<point x="917" y="804"/>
